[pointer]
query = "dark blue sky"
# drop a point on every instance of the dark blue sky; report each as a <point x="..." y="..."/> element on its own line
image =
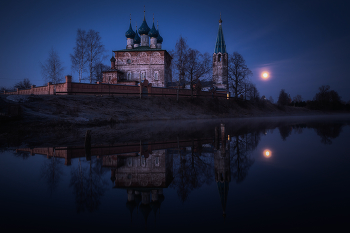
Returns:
<point x="302" y="44"/>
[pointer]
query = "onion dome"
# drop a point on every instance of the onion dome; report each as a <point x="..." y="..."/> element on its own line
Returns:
<point x="154" y="32"/>
<point x="112" y="59"/>
<point x="159" y="38"/>
<point x="144" y="29"/>
<point x="130" y="34"/>
<point x="137" y="39"/>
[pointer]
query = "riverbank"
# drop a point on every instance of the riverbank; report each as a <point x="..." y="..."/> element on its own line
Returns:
<point x="65" y="119"/>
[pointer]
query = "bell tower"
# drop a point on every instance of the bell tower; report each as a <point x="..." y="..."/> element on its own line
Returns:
<point x="220" y="61"/>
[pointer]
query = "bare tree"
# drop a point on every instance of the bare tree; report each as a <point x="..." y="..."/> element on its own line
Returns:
<point x="99" y="68"/>
<point x="252" y="92"/>
<point x="79" y="57"/>
<point x="238" y="73"/>
<point x="196" y="65"/>
<point x="95" y="51"/>
<point x="179" y="57"/>
<point x="25" y="84"/>
<point x="297" y="99"/>
<point x="52" y="68"/>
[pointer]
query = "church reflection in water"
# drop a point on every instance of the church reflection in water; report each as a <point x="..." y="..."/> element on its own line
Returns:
<point x="145" y="169"/>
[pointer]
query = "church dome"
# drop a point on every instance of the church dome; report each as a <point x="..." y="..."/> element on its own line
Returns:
<point x="153" y="33"/>
<point x="144" y="29"/>
<point x="130" y="34"/>
<point x="159" y="39"/>
<point x="137" y="39"/>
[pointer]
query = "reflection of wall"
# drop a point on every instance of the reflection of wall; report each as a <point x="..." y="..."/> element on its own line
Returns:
<point x="154" y="170"/>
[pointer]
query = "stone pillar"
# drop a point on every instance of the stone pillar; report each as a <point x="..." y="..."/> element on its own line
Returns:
<point x="153" y="43"/>
<point x="68" y="84"/>
<point x="32" y="89"/>
<point x="129" y="43"/>
<point x="159" y="46"/>
<point x="144" y="40"/>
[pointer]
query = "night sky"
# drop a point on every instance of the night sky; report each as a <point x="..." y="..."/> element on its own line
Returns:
<point x="302" y="44"/>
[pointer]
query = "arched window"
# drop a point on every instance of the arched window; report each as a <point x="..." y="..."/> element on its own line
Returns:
<point x="129" y="76"/>
<point x="219" y="57"/>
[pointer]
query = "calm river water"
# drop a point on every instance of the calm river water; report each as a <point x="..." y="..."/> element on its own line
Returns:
<point x="275" y="175"/>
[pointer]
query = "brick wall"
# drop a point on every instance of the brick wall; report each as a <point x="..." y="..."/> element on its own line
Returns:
<point x="69" y="87"/>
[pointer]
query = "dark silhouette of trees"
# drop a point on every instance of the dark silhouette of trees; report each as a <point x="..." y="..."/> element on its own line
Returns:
<point x="79" y="57"/>
<point x="196" y="66"/>
<point x="283" y="98"/>
<point x="179" y="58"/>
<point x="194" y="170"/>
<point x="285" y="131"/>
<point x="252" y="92"/>
<point x="238" y="74"/>
<point x="326" y="99"/>
<point x="99" y="68"/>
<point x="327" y="132"/>
<point x="51" y="171"/>
<point x="241" y="147"/>
<point x="190" y="64"/>
<point x="88" y="185"/>
<point x="52" y="68"/>
<point x="25" y="84"/>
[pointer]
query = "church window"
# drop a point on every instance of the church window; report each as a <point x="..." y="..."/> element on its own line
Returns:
<point x="219" y="58"/>
<point x="156" y="75"/>
<point x="157" y="161"/>
<point x="129" y="76"/>
<point x="143" y="75"/>
<point x="143" y="161"/>
<point x="129" y="162"/>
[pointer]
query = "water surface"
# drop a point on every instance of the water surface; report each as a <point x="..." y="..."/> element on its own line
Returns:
<point x="229" y="175"/>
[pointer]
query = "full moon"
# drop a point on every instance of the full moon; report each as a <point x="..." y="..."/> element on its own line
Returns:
<point x="265" y="75"/>
<point x="267" y="153"/>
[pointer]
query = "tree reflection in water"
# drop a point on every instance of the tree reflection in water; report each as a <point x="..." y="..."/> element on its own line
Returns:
<point x="51" y="171"/>
<point x="88" y="185"/>
<point x="193" y="169"/>
<point x="241" y="147"/>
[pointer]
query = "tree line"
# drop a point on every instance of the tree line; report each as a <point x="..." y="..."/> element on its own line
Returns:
<point x="326" y="99"/>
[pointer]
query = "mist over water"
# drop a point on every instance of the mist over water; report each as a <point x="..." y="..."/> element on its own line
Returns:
<point x="243" y="175"/>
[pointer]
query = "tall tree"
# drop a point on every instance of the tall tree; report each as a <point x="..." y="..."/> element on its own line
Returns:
<point x="79" y="57"/>
<point x="238" y="73"/>
<point x="25" y="84"/>
<point x="283" y="98"/>
<point x="95" y="51"/>
<point x="52" y="68"/>
<point x="179" y="57"/>
<point x="196" y="65"/>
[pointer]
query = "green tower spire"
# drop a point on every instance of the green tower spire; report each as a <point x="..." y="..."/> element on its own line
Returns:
<point x="220" y="46"/>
